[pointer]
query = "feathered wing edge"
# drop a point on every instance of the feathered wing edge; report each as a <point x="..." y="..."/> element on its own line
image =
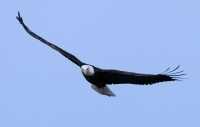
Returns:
<point x="174" y="73"/>
<point x="60" y="50"/>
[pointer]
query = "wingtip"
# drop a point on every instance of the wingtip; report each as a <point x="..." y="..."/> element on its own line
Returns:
<point x="171" y="69"/>
<point x="174" y="73"/>
<point x="18" y="15"/>
<point x="19" y="18"/>
<point x="18" y="12"/>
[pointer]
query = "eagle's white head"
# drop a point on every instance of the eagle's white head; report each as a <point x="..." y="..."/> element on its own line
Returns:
<point x="87" y="70"/>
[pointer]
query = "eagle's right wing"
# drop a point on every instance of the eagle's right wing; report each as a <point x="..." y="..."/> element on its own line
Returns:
<point x="60" y="50"/>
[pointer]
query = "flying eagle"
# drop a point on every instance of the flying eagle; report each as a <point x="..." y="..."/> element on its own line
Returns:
<point x="100" y="78"/>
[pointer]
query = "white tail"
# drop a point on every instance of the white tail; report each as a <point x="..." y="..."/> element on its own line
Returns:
<point x="103" y="90"/>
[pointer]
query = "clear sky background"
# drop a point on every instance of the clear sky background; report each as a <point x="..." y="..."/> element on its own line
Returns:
<point x="40" y="88"/>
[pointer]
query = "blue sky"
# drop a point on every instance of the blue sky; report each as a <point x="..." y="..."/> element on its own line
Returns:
<point x="40" y="88"/>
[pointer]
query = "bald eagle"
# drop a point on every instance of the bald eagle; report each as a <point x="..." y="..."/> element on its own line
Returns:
<point x="100" y="78"/>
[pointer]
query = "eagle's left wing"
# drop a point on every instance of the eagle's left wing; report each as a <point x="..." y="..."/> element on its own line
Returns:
<point x="122" y="77"/>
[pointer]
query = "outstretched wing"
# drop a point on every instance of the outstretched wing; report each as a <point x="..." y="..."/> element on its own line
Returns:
<point x="122" y="77"/>
<point x="60" y="50"/>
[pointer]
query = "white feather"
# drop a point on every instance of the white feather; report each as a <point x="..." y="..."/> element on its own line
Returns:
<point x="103" y="90"/>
